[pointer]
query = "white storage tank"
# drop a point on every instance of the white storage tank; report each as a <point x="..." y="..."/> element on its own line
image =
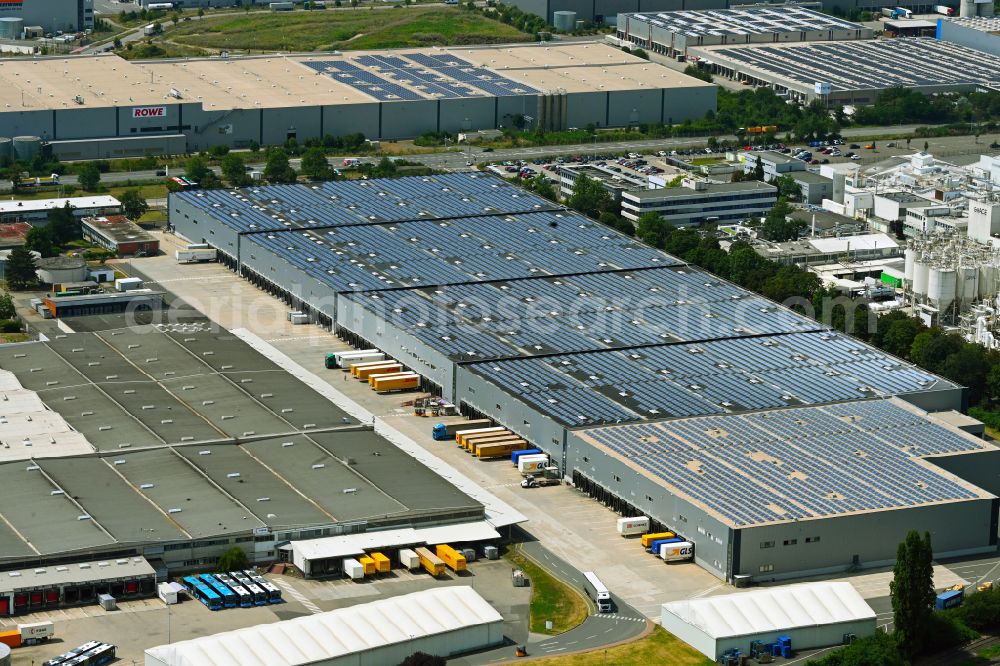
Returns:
<point x="27" y="147"/>
<point x="920" y="269"/>
<point x="56" y="270"/>
<point x="11" y="27"/>
<point x="942" y="287"/>
<point x="564" y="21"/>
<point x="910" y="257"/>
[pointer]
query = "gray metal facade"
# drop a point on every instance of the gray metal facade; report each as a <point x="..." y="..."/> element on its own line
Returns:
<point x="52" y="15"/>
<point x="104" y="128"/>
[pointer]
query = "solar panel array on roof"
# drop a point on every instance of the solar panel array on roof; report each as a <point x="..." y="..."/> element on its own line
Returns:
<point x="375" y="86"/>
<point x="353" y="202"/>
<point x="426" y="81"/>
<point x="797" y="463"/>
<point x="470" y="249"/>
<point x="757" y="20"/>
<point x="715" y="377"/>
<point x="872" y="65"/>
<point x="607" y="310"/>
<point x="465" y="72"/>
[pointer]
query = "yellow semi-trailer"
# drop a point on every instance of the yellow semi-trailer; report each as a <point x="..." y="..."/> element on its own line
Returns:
<point x="382" y="563"/>
<point x="452" y="558"/>
<point x="431" y="563"/>
<point x="489" y="441"/>
<point x="383" y="375"/>
<point x="498" y="450"/>
<point x="472" y="442"/>
<point x="461" y="435"/>
<point x="355" y="367"/>
<point x="401" y="382"/>
<point x="369" y="564"/>
<point x="648" y="539"/>
<point x="384" y="368"/>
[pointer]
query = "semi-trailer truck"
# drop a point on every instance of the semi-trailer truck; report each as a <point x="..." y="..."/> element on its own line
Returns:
<point x="598" y="593"/>
<point x="499" y="449"/>
<point x="349" y="362"/>
<point x="365" y="370"/>
<point x="453" y="559"/>
<point x="194" y="256"/>
<point x="405" y="381"/>
<point x="648" y="539"/>
<point x="654" y="547"/>
<point x="514" y="457"/>
<point x="533" y="464"/>
<point x="633" y="526"/>
<point x="334" y="359"/>
<point x="382" y="563"/>
<point x="470" y="441"/>
<point x="443" y="432"/>
<point x="944" y="10"/>
<point x="409" y="559"/>
<point x="431" y="563"/>
<point x="680" y="551"/>
<point x="461" y="435"/>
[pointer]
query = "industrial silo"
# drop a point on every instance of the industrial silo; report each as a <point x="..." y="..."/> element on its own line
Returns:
<point x="11" y="27"/>
<point x="910" y="257"/>
<point x="564" y="21"/>
<point x="941" y="288"/>
<point x="27" y="147"/>
<point x="987" y="280"/>
<point x="920" y="269"/>
<point x="6" y="149"/>
<point x="968" y="283"/>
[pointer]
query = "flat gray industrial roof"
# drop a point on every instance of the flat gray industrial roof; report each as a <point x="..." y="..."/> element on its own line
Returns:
<point x="165" y="411"/>
<point x="119" y="229"/>
<point x="773" y="156"/>
<point x="78" y="572"/>
<point x="736" y="23"/>
<point x="799" y="464"/>
<point x="922" y="63"/>
<point x="710" y="188"/>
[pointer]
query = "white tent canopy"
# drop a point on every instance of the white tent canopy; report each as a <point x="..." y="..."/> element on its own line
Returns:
<point x="399" y="625"/>
<point x="813" y="614"/>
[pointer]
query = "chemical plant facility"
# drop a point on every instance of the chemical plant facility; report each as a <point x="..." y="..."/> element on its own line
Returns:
<point x="651" y="383"/>
<point x="174" y="447"/>
<point x="104" y="106"/>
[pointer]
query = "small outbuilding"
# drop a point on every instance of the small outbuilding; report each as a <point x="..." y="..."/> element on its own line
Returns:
<point x="811" y="614"/>
<point x="441" y="621"/>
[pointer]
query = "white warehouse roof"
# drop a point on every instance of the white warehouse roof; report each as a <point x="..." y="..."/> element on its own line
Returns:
<point x="346" y="545"/>
<point x="773" y="610"/>
<point x="21" y="205"/>
<point x="326" y="636"/>
<point x="856" y="243"/>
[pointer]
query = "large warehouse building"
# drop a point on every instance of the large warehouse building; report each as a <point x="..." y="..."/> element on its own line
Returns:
<point x="855" y="72"/>
<point x="442" y="622"/>
<point x="657" y="387"/>
<point x="104" y="106"/>
<point x="50" y="15"/>
<point x="178" y="446"/>
<point x="809" y="615"/>
<point x="672" y="33"/>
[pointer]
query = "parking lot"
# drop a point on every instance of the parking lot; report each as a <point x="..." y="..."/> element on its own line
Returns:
<point x="139" y="625"/>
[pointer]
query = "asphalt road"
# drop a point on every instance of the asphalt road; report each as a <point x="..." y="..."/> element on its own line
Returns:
<point x="456" y="160"/>
<point x="596" y="631"/>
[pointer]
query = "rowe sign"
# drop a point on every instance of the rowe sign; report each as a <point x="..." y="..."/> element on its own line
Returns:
<point x="149" y="112"/>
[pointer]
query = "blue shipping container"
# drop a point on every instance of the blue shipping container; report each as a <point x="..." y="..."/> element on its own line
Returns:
<point x="949" y="599"/>
<point x="516" y="455"/>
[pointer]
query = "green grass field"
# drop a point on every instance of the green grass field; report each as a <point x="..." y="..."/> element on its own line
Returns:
<point x="551" y="599"/>
<point x="659" y="647"/>
<point x="342" y="29"/>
